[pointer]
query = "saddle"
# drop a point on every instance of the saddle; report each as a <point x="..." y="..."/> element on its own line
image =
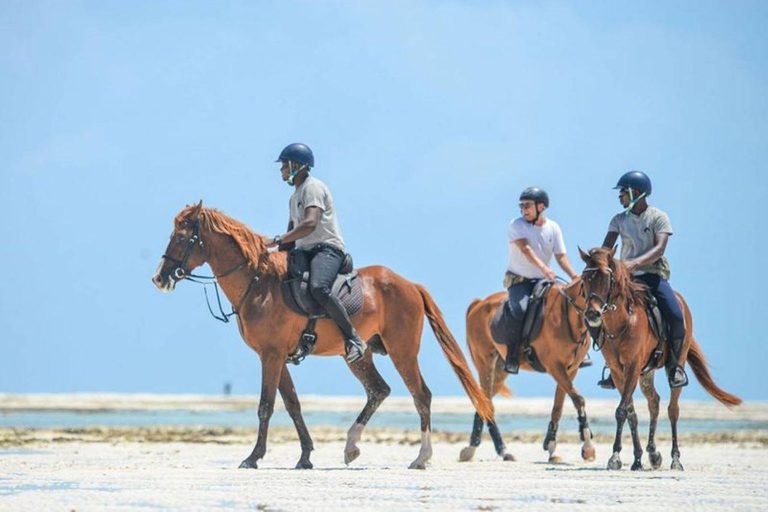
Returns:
<point x="295" y="290"/>
<point x="659" y="328"/>
<point x="503" y="326"/>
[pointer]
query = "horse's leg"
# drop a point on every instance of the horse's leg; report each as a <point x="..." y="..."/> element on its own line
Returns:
<point x="271" y="368"/>
<point x="565" y="381"/>
<point x="649" y="390"/>
<point x="497" y="378"/>
<point x="377" y="390"/>
<point x="674" y="413"/>
<point x="407" y="366"/>
<point x="632" y="378"/>
<point x="621" y="416"/>
<point x="292" y="405"/>
<point x="475" y="437"/>
<point x="550" y="440"/>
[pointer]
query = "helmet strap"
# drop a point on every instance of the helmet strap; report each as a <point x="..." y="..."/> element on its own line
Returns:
<point x="538" y="213"/>
<point x="294" y="173"/>
<point x="632" y="201"/>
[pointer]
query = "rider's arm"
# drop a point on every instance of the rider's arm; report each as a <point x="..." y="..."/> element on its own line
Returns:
<point x="283" y="246"/>
<point x="527" y="250"/>
<point x="307" y="226"/>
<point x="656" y="252"/>
<point x="565" y="264"/>
<point x="610" y="239"/>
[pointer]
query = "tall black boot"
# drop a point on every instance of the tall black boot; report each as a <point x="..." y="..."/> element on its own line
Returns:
<point x="354" y="345"/>
<point x="675" y="372"/>
<point x="511" y="363"/>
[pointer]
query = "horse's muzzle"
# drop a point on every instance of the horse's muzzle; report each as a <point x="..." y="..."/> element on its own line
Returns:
<point x="594" y="317"/>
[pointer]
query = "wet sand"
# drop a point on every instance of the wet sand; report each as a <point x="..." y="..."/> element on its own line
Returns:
<point x="183" y="468"/>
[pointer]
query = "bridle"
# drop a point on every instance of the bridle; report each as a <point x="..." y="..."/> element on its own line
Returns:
<point x="180" y="273"/>
<point x="607" y="307"/>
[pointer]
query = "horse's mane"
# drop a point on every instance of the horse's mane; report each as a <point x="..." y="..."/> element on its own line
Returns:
<point x="252" y="245"/>
<point x="626" y="288"/>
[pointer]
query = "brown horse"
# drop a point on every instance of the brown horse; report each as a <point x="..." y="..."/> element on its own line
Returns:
<point x="561" y="346"/>
<point x="391" y="319"/>
<point x="617" y="306"/>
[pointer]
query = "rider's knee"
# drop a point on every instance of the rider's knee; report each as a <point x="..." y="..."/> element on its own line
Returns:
<point x="320" y="292"/>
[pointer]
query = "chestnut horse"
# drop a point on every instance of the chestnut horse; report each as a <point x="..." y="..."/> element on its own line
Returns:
<point x="561" y="346"/>
<point x="391" y="319"/>
<point x="616" y="305"/>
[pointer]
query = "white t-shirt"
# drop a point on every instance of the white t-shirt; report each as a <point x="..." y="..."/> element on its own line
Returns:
<point x="545" y="240"/>
<point x="314" y="192"/>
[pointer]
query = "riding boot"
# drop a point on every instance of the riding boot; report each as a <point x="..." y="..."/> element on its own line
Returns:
<point x="511" y="362"/>
<point x="675" y="372"/>
<point x="354" y="346"/>
<point x="607" y="381"/>
<point x="586" y="362"/>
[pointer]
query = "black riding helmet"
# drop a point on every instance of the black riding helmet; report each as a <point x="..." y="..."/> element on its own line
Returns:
<point x="636" y="180"/>
<point x="535" y="194"/>
<point x="298" y="153"/>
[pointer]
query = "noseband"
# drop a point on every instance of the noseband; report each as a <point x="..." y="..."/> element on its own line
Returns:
<point x="606" y="302"/>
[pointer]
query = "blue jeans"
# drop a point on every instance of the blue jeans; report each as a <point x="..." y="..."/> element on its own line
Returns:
<point x="519" y="295"/>
<point x="668" y="304"/>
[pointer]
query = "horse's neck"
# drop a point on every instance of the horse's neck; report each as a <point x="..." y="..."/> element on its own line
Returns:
<point x="230" y="265"/>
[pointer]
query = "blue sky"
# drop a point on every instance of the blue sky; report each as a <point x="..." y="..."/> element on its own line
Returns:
<point x="427" y="119"/>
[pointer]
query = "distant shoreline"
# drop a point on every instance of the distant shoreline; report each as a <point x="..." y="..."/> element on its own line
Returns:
<point x="596" y="408"/>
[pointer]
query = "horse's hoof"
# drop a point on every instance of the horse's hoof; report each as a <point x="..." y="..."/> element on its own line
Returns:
<point x="466" y="454"/>
<point x="509" y="457"/>
<point x="246" y="464"/>
<point x="637" y="465"/>
<point x="350" y="455"/>
<point x="417" y="465"/>
<point x="655" y="458"/>
<point x="304" y="465"/>
<point x="676" y="465"/>
<point x="588" y="453"/>
<point x="555" y="459"/>
<point x="614" y="463"/>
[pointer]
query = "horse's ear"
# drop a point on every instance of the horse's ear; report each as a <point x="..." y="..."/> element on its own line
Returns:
<point x="584" y="256"/>
<point x="194" y="213"/>
<point x="613" y="251"/>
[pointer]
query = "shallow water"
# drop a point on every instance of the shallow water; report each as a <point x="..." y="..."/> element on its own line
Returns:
<point x="447" y="421"/>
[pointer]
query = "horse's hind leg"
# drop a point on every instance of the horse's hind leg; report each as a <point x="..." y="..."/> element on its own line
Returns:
<point x="407" y="366"/>
<point x="377" y="390"/>
<point x="674" y="414"/>
<point x="649" y="390"/>
<point x="292" y="405"/>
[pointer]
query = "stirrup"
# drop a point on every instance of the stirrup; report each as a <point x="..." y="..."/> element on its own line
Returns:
<point x="606" y="382"/>
<point x="586" y="362"/>
<point x="671" y="377"/>
<point x="355" y="349"/>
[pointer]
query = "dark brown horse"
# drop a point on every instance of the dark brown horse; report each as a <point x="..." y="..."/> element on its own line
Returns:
<point x="616" y="305"/>
<point x="561" y="346"/>
<point x="391" y="319"/>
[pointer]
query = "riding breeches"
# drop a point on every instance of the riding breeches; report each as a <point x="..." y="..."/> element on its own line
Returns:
<point x="668" y="304"/>
<point x="519" y="296"/>
<point x="324" y="266"/>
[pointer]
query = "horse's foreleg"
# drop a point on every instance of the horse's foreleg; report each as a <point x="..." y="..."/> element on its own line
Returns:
<point x="271" y="368"/>
<point x="550" y="440"/>
<point x="621" y="416"/>
<point x="292" y="405"/>
<point x="649" y="391"/>
<point x="565" y="381"/>
<point x="633" y="373"/>
<point x="377" y="390"/>
<point x="674" y="414"/>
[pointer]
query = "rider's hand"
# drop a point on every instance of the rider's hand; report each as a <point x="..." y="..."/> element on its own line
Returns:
<point x="271" y="243"/>
<point x="550" y="274"/>
<point x="631" y="265"/>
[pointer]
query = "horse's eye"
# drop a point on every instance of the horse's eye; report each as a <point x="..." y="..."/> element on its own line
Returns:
<point x="182" y="238"/>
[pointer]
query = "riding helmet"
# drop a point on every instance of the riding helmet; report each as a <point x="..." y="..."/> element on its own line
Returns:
<point x="637" y="180"/>
<point x="535" y="194"/>
<point x="298" y="153"/>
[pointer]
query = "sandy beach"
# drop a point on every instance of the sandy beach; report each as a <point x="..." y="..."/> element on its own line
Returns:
<point x="194" y="468"/>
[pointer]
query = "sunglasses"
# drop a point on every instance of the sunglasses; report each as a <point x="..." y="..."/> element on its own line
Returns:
<point x="525" y="206"/>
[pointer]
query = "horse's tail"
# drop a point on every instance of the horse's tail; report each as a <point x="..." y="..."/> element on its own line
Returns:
<point x="452" y="351"/>
<point x="699" y="366"/>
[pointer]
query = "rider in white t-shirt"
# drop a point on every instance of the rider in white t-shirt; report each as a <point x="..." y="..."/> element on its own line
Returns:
<point x="533" y="239"/>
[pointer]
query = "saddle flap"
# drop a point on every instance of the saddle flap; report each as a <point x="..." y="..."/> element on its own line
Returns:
<point x="534" y="315"/>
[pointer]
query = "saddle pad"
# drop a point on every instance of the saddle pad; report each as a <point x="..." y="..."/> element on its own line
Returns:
<point x="348" y="288"/>
<point x="656" y="319"/>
